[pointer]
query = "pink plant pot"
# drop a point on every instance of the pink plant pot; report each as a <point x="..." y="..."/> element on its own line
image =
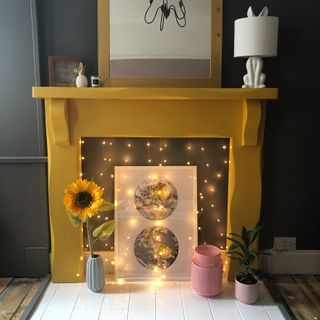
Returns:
<point x="246" y="293"/>
<point x="206" y="281"/>
<point x="207" y="255"/>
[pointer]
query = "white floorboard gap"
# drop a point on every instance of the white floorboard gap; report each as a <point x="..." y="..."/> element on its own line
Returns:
<point x="145" y="301"/>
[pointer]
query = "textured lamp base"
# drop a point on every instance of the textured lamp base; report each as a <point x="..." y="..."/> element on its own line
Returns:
<point x="254" y="77"/>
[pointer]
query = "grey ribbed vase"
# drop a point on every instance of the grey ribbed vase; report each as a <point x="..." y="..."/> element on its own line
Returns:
<point x="95" y="273"/>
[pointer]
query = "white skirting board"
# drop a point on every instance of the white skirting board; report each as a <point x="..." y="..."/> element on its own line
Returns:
<point x="292" y="262"/>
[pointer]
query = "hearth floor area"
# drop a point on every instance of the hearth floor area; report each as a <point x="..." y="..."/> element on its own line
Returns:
<point x="149" y="301"/>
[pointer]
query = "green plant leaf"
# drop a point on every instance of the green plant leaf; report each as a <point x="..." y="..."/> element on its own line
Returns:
<point x="76" y="222"/>
<point x="104" y="231"/>
<point x="106" y="206"/>
<point x="233" y="246"/>
<point x="255" y="232"/>
<point x="235" y="234"/>
<point x="235" y="252"/>
<point x="244" y="236"/>
<point x="240" y="244"/>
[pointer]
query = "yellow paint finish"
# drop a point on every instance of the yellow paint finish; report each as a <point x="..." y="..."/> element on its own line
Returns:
<point x="107" y="112"/>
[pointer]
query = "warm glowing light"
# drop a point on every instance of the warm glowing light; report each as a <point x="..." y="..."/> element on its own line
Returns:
<point x="149" y="160"/>
<point x="110" y="144"/>
<point x="165" y="161"/>
<point x="202" y="149"/>
<point x="99" y="217"/>
<point x="133" y="222"/>
<point x="225" y="161"/>
<point x="82" y="158"/>
<point x="105" y="244"/>
<point x="218" y="220"/>
<point x="226" y="262"/>
<point x="205" y="181"/>
<point x="199" y="228"/>
<point x="101" y="174"/>
<point x="130" y="192"/>
<point x="208" y="165"/>
<point x="111" y="176"/>
<point x="201" y="197"/>
<point x="106" y="259"/>
<point x="189" y="147"/>
<point x="104" y="159"/>
<point x="212" y="189"/>
<point x="81" y="258"/>
<point x="165" y="145"/>
<point x="125" y="253"/>
<point x="78" y="275"/>
<point x="160" y="149"/>
<point x="109" y="159"/>
<point x="126" y="160"/>
<point x="81" y="174"/>
<point x="188" y="163"/>
<point x="221" y="234"/>
<point x="112" y="262"/>
<point x="221" y="247"/>
<point x="224" y="147"/>
<point x="219" y="175"/>
<point x="103" y="142"/>
<point x="201" y="209"/>
<point x="212" y="205"/>
<point x="190" y="238"/>
<point x="148" y="144"/>
<point x="106" y="218"/>
<point x="129" y="145"/>
<point x="158" y="223"/>
<point x="120" y="281"/>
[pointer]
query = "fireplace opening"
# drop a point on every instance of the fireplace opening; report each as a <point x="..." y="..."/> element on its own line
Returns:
<point x="210" y="156"/>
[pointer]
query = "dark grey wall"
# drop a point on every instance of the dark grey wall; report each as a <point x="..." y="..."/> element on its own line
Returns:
<point x="290" y="205"/>
<point x="24" y="232"/>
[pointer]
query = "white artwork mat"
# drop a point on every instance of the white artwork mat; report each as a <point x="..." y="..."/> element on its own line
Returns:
<point x="156" y="221"/>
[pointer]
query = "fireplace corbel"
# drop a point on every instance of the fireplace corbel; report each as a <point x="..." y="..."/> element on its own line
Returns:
<point x="73" y="113"/>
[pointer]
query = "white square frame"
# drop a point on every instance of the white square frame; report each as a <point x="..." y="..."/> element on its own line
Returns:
<point x="184" y="226"/>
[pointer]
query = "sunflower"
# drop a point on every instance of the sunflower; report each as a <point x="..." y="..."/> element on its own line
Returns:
<point x="83" y="198"/>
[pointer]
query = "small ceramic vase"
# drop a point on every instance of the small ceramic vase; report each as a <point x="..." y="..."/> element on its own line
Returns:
<point x="81" y="81"/>
<point x="95" y="273"/>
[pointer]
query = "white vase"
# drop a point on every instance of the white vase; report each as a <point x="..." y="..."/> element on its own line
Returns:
<point x="95" y="273"/>
<point x="81" y="81"/>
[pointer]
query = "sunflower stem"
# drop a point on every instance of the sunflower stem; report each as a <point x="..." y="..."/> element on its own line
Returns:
<point x="89" y="238"/>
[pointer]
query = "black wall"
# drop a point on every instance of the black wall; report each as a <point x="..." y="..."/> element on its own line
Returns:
<point x="291" y="175"/>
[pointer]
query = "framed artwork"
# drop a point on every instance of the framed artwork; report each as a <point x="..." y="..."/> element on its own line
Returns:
<point x="61" y="71"/>
<point x="132" y="52"/>
<point x="156" y="221"/>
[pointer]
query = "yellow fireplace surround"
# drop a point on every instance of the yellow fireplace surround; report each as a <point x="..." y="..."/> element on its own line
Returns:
<point x="72" y="113"/>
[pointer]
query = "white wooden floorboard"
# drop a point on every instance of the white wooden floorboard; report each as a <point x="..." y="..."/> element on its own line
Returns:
<point x="224" y="306"/>
<point x="88" y="305"/>
<point x="147" y="301"/>
<point x="45" y="300"/>
<point x="63" y="302"/>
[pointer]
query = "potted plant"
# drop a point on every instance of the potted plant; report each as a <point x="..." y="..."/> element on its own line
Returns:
<point x="246" y="283"/>
<point x="83" y="199"/>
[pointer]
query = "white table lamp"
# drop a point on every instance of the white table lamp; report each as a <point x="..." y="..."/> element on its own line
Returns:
<point x="255" y="37"/>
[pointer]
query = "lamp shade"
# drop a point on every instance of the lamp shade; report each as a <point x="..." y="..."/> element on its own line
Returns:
<point x="256" y="36"/>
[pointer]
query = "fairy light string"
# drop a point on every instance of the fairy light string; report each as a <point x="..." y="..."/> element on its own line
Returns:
<point x="120" y="151"/>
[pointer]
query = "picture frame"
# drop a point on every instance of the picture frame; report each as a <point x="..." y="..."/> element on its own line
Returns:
<point x="155" y="222"/>
<point x="61" y="70"/>
<point x="214" y="81"/>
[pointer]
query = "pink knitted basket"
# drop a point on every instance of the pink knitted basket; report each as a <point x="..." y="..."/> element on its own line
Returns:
<point x="206" y="281"/>
<point x="207" y="255"/>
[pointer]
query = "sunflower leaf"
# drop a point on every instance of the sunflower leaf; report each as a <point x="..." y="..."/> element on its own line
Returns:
<point x="106" y="206"/>
<point x="104" y="231"/>
<point x="76" y="222"/>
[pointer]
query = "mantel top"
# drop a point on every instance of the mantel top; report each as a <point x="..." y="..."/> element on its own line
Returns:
<point x="155" y="93"/>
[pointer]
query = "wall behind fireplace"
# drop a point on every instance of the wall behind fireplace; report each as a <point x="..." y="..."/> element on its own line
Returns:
<point x="291" y="175"/>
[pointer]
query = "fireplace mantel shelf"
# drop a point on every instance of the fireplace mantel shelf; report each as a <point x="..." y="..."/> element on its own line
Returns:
<point x="155" y="93"/>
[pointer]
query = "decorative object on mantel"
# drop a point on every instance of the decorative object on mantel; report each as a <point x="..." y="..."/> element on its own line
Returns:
<point x="206" y="271"/>
<point x="95" y="81"/>
<point x="83" y="199"/>
<point x="61" y="70"/>
<point x="81" y="80"/>
<point x="165" y="10"/>
<point x="255" y="37"/>
<point x="246" y="283"/>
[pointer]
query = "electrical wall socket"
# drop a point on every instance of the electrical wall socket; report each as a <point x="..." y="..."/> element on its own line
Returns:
<point x="284" y="244"/>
